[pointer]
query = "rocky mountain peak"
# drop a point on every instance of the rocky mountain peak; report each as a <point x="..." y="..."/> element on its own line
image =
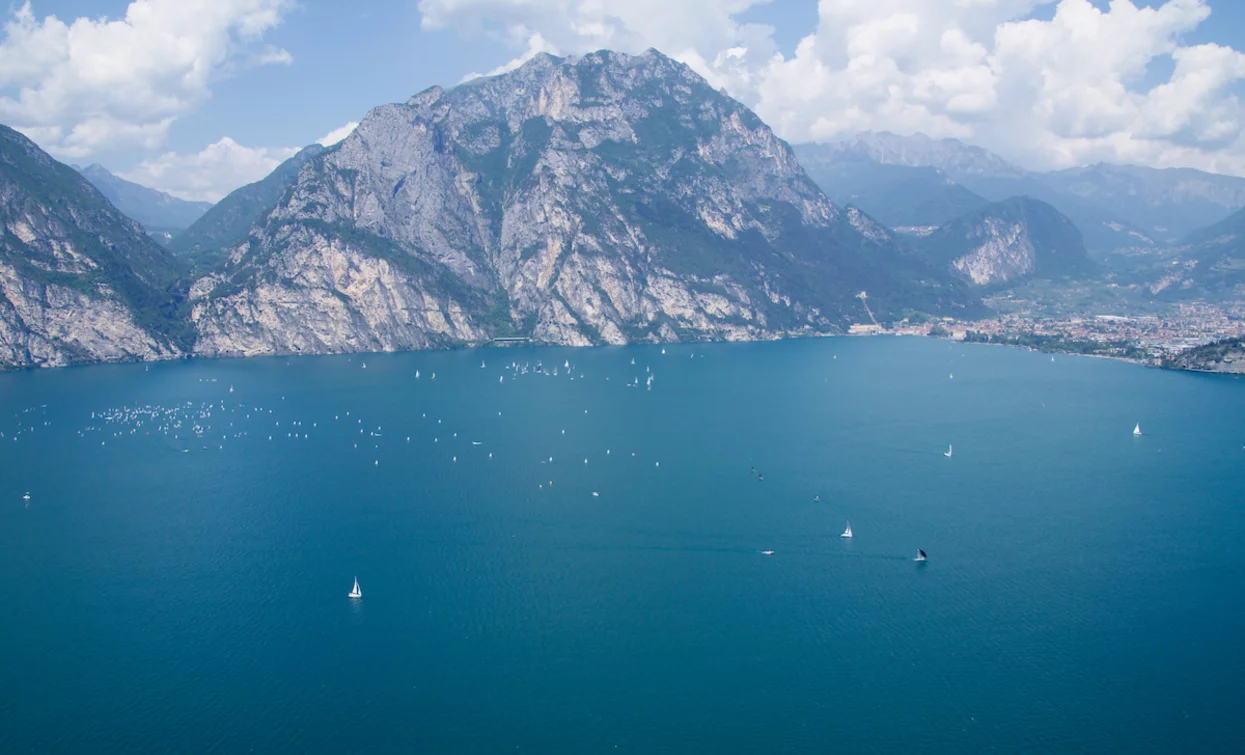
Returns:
<point x="600" y="198"/>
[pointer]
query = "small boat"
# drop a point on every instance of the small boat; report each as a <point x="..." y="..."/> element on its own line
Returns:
<point x="1137" y="429"/>
<point x="481" y="365"/>
<point x="847" y="532"/>
<point x="356" y="592"/>
<point x="947" y="453"/>
<point x="26" y="497"/>
<point x="920" y="555"/>
<point x="767" y="553"/>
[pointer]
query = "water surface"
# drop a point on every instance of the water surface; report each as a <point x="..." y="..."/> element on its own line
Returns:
<point x="171" y="589"/>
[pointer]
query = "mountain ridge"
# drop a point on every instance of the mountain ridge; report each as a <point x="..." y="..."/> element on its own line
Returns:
<point x="79" y="280"/>
<point x="207" y="242"/>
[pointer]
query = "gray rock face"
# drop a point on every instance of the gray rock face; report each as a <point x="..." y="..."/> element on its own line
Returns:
<point x="602" y="199"/>
<point x="1008" y="241"/>
<point x="79" y="281"/>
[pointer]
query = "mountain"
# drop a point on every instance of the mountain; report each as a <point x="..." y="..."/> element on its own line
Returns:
<point x="160" y="213"/>
<point x="207" y="242"/>
<point x="1009" y="241"/>
<point x="1222" y="356"/>
<point x="601" y="199"/>
<point x="79" y="281"/>
<point x="951" y="156"/>
<point x="1166" y="204"/>
<point x="1210" y="262"/>
<point x="895" y="195"/>
<point x="987" y="175"/>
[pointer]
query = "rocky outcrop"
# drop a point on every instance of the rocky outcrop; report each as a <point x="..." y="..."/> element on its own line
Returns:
<point x="1222" y="356"/>
<point x="1006" y="242"/>
<point x="601" y="199"/>
<point x="79" y="281"/>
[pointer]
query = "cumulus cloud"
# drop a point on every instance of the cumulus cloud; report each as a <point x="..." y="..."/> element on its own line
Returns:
<point x="337" y="134"/>
<point x="1074" y="88"/>
<point x="91" y="84"/>
<point x="210" y="174"/>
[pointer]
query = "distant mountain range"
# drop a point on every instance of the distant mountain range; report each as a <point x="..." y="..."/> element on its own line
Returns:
<point x="1113" y="206"/>
<point x="163" y="215"/>
<point x="897" y="196"/>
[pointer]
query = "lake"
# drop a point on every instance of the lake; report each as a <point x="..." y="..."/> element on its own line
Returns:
<point x="576" y="563"/>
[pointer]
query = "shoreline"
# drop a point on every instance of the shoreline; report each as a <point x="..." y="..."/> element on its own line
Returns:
<point x="5" y="369"/>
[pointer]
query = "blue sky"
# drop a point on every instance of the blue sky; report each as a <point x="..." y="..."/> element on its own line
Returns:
<point x="268" y="76"/>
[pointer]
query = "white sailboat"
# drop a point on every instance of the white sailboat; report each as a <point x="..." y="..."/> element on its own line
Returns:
<point x="920" y="555"/>
<point x="1137" y="429"/>
<point x="847" y="532"/>
<point x="356" y="592"/>
<point x="948" y="451"/>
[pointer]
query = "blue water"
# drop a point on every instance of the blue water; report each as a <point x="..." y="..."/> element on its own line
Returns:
<point x="167" y="590"/>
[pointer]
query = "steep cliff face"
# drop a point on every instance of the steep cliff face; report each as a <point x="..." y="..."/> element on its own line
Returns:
<point x="1009" y="241"/>
<point x="79" y="281"/>
<point x="602" y="199"/>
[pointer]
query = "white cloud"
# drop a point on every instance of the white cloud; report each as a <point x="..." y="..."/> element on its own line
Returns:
<point x="91" y="84"/>
<point x="1048" y="93"/>
<point x="337" y="134"/>
<point x="211" y="173"/>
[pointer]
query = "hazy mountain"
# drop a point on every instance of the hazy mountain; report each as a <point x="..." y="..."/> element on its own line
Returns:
<point x="1009" y="241"/>
<point x="894" y="195"/>
<point x="79" y="281"/>
<point x="977" y="171"/>
<point x="158" y="212"/>
<point x="607" y="198"/>
<point x="953" y="157"/>
<point x="1166" y="204"/>
<point x="1211" y="262"/>
<point x="207" y="242"/>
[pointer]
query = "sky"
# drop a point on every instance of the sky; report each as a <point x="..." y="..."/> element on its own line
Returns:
<point x="198" y="97"/>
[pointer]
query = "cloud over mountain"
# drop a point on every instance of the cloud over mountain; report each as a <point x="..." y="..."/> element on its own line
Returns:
<point x="1070" y="85"/>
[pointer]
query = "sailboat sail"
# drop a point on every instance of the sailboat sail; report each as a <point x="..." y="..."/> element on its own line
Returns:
<point x="1137" y="429"/>
<point x="356" y="592"/>
<point x="847" y="532"/>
